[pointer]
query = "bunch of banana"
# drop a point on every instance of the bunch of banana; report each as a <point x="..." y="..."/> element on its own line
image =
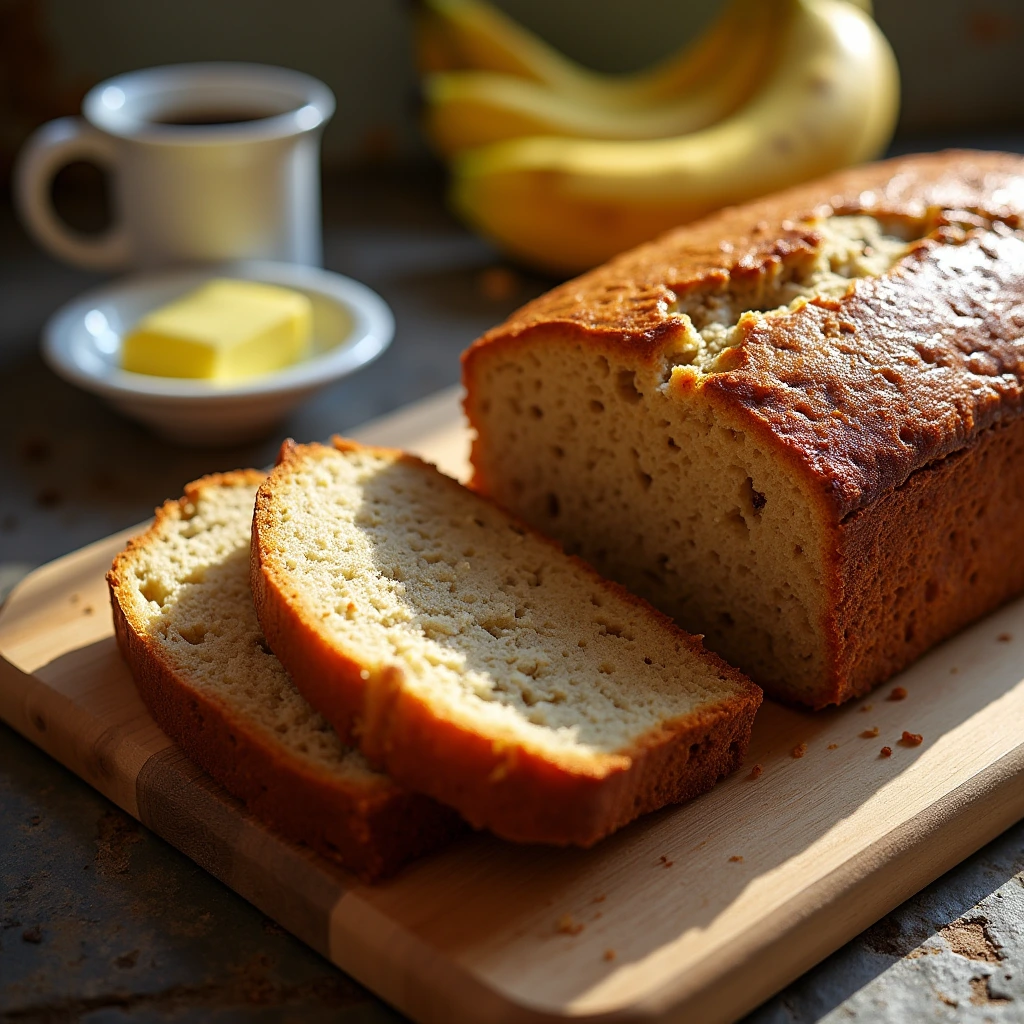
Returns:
<point x="564" y="167"/>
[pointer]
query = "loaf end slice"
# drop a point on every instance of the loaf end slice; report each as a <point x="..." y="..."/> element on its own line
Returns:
<point x="185" y="623"/>
<point x="473" y="660"/>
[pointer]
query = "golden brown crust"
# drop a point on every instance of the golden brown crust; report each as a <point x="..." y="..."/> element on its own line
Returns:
<point x="941" y="552"/>
<point x="516" y="793"/>
<point x="859" y="392"/>
<point x="371" y="828"/>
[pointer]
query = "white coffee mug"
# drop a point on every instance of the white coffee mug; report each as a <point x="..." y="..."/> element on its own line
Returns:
<point x="210" y="163"/>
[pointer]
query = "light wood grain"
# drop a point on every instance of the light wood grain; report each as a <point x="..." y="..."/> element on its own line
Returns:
<point x="707" y="908"/>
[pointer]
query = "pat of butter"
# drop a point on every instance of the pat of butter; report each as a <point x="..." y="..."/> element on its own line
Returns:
<point x="226" y="330"/>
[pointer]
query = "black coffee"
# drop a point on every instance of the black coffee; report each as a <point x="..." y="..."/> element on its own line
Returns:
<point x="211" y="117"/>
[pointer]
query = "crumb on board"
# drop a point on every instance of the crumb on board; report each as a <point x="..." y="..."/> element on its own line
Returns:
<point x="867" y="707"/>
<point x="799" y="750"/>
<point x="88" y="610"/>
<point x="898" y="693"/>
<point x="953" y="671"/>
<point x="568" y="925"/>
<point x="911" y="739"/>
<point x="609" y="954"/>
<point x="755" y="772"/>
<point x="665" y="862"/>
<point x="833" y="746"/>
<point x="885" y="752"/>
<point x="736" y="859"/>
<point x="1004" y="638"/>
<point x="870" y="734"/>
<point x="600" y="898"/>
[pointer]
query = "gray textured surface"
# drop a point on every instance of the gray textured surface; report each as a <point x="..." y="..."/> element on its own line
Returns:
<point x="102" y="921"/>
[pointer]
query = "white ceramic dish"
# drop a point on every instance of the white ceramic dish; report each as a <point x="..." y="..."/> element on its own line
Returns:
<point x="352" y="325"/>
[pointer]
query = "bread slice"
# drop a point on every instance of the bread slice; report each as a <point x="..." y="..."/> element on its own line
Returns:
<point x="473" y="660"/>
<point x="185" y="623"/>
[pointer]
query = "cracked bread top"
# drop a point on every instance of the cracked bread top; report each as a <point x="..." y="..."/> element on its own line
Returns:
<point x="868" y="323"/>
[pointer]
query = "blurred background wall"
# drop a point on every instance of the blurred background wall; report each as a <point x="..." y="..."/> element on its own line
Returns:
<point x="960" y="59"/>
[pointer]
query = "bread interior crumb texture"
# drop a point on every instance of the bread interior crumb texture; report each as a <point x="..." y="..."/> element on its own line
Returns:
<point x="490" y="625"/>
<point x="595" y="447"/>
<point x="190" y="590"/>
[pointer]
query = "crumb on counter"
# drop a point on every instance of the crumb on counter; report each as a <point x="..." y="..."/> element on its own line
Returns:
<point x="755" y="772"/>
<point x="911" y="739"/>
<point x="799" y="750"/>
<point x="736" y="859"/>
<point x="497" y="284"/>
<point x="609" y="954"/>
<point x="600" y="898"/>
<point x="867" y="707"/>
<point x="568" y="925"/>
<point x="885" y="752"/>
<point x="870" y="734"/>
<point x="1004" y="638"/>
<point x="833" y="746"/>
<point x="953" y="671"/>
<point x="665" y="862"/>
<point x="898" y="693"/>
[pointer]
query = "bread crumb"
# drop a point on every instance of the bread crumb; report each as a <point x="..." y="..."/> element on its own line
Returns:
<point x="49" y="497"/>
<point x="886" y="752"/>
<point x="870" y="734"/>
<point x="799" y="750"/>
<point x="867" y="707"/>
<point x="953" y="671"/>
<point x="88" y="610"/>
<point x="567" y="925"/>
<point x="609" y="954"/>
<point x="497" y="284"/>
<point x="735" y="859"/>
<point x="833" y="746"/>
<point x="1004" y="638"/>
<point x="665" y="862"/>
<point x="600" y="898"/>
<point x="911" y="739"/>
<point x="898" y="693"/>
<point x="755" y="772"/>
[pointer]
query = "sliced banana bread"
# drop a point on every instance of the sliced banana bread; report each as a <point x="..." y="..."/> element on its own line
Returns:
<point x="795" y="426"/>
<point x="474" y="661"/>
<point x="185" y="623"/>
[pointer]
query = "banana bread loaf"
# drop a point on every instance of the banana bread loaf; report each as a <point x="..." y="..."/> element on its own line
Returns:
<point x="185" y="623"/>
<point x="793" y="426"/>
<point x="473" y="660"/>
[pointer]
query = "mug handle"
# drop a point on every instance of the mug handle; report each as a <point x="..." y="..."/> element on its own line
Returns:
<point x="50" y="148"/>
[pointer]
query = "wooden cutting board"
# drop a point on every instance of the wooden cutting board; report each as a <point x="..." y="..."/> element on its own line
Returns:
<point x="698" y="913"/>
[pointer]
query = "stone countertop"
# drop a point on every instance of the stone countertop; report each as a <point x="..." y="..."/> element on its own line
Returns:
<point x="101" y="920"/>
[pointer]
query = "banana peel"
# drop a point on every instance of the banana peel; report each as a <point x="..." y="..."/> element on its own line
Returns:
<point x="567" y="204"/>
<point x="473" y="35"/>
<point x="467" y="109"/>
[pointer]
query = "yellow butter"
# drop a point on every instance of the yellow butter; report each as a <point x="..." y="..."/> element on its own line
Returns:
<point x="226" y="330"/>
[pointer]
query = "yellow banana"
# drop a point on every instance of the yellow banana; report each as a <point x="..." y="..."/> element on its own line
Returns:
<point x="466" y="109"/>
<point x="472" y="35"/>
<point x="567" y="204"/>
